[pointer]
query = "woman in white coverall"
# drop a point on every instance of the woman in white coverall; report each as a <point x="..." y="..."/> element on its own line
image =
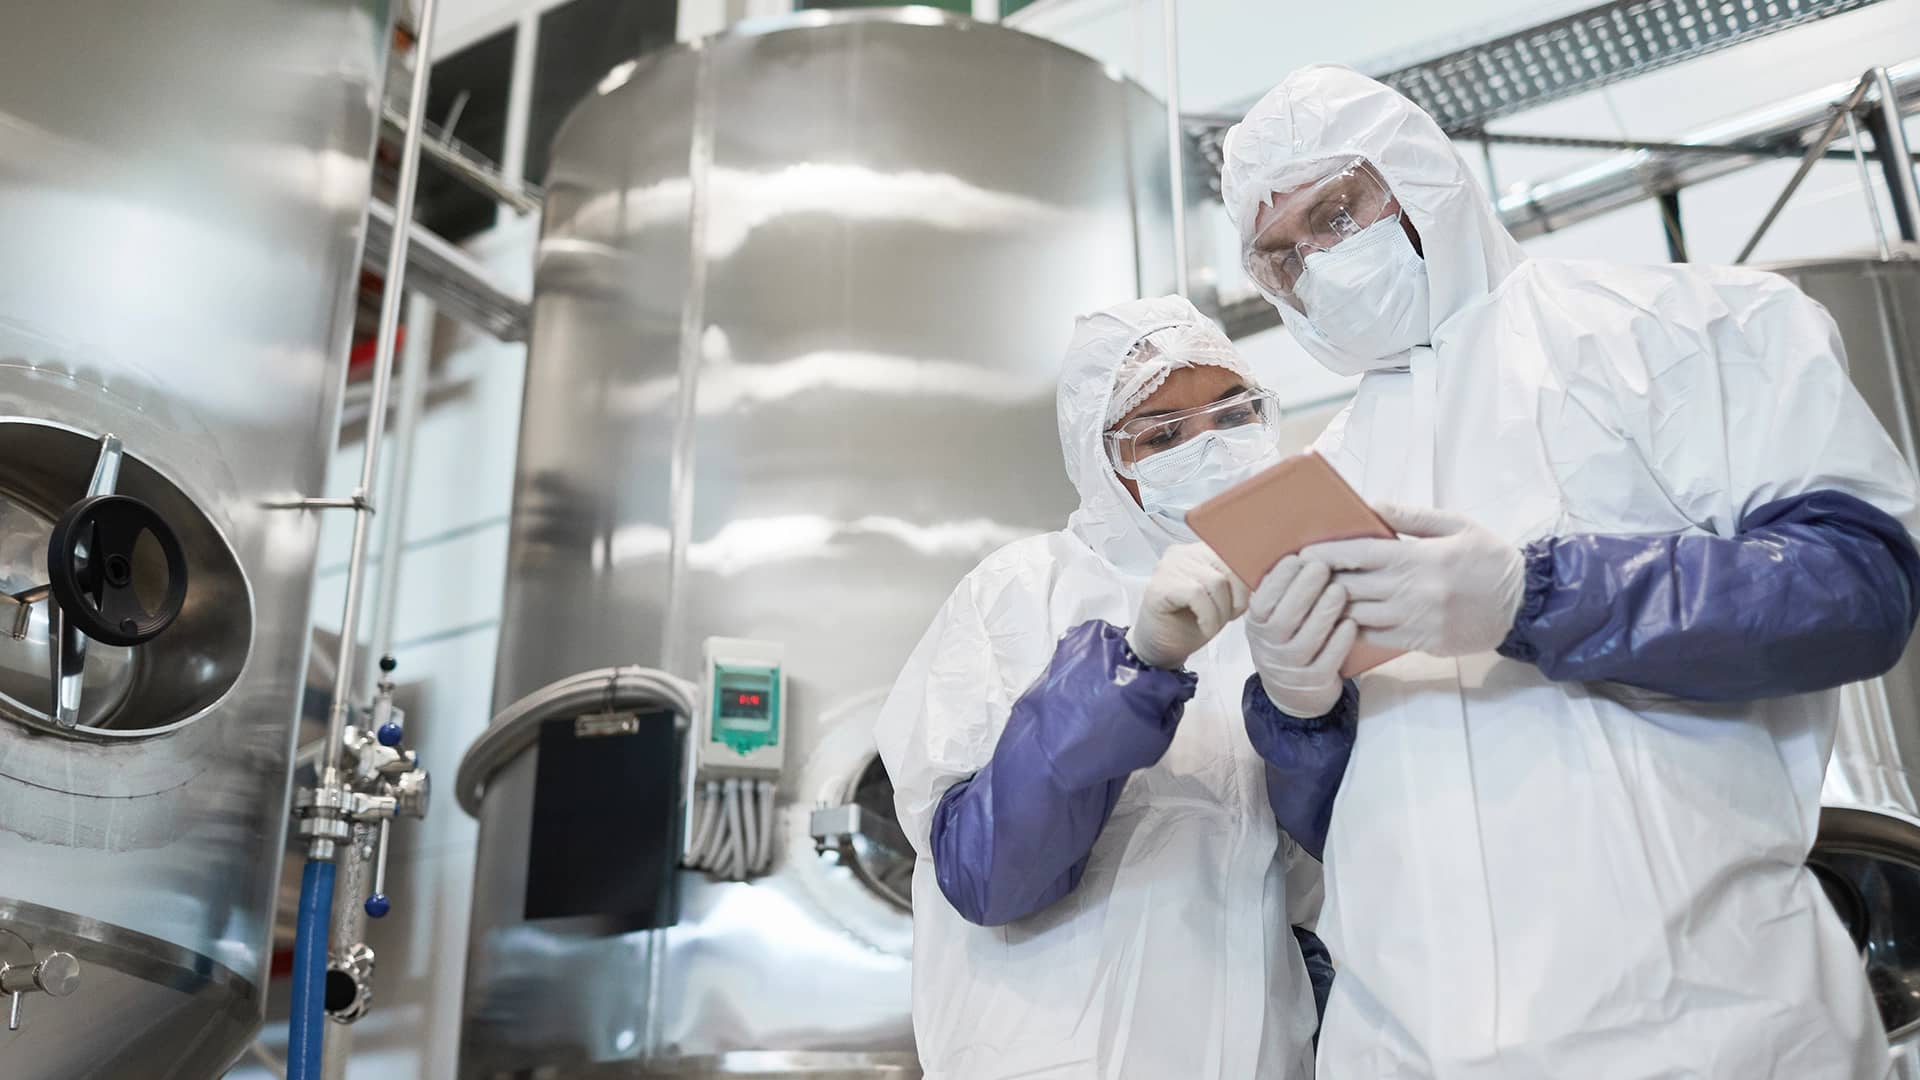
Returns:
<point x="1104" y="886"/>
<point x="1648" y="525"/>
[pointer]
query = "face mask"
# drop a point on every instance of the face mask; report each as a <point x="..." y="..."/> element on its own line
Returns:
<point x="1368" y="296"/>
<point x="1207" y="465"/>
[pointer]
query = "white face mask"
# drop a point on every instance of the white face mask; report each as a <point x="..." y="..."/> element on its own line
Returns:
<point x="1368" y="296"/>
<point x="1207" y="465"/>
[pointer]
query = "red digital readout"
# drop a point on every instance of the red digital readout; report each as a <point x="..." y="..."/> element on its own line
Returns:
<point x="748" y="699"/>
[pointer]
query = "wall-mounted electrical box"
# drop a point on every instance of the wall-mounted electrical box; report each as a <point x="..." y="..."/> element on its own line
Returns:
<point x="744" y="732"/>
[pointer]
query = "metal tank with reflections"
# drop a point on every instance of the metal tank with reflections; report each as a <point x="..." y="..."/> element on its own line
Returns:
<point x="800" y="304"/>
<point x="182" y="187"/>
<point x="1867" y="856"/>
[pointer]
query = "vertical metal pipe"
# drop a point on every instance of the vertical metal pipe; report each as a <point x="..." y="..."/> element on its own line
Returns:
<point x="1670" y="223"/>
<point x="1866" y="190"/>
<point x="1176" y="142"/>
<point x="412" y="396"/>
<point x="1890" y="137"/>
<point x="347" y="928"/>
<point x="382" y="382"/>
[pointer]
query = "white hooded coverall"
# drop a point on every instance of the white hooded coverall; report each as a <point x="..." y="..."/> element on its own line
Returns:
<point x="1173" y="957"/>
<point x="1528" y="878"/>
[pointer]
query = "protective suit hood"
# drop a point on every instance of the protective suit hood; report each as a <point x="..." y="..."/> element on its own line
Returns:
<point x="1326" y="113"/>
<point x="1108" y="520"/>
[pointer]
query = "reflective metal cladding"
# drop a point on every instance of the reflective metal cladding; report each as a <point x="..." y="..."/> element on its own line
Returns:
<point x="801" y="299"/>
<point x="182" y="187"/>
<point x="1868" y="853"/>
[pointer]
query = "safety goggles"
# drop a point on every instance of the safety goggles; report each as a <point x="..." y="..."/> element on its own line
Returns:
<point x="1134" y="445"/>
<point x="1317" y="216"/>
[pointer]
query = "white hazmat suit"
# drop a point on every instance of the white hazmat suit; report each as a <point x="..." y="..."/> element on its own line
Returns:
<point x="1173" y="956"/>
<point x="1528" y="878"/>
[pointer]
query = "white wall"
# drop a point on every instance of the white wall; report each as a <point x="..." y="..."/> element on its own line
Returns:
<point x="1231" y="50"/>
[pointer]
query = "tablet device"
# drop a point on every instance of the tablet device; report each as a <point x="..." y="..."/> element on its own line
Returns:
<point x="1299" y="501"/>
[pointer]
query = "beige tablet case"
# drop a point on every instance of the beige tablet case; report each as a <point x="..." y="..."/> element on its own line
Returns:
<point x="1299" y="501"/>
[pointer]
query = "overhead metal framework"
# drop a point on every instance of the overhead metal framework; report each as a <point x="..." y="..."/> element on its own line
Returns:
<point x="1468" y="88"/>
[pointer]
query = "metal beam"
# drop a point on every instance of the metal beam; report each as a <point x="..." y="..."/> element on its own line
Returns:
<point x="1602" y="45"/>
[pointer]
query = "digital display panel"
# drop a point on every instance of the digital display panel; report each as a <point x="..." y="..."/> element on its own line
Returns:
<point x="746" y="699"/>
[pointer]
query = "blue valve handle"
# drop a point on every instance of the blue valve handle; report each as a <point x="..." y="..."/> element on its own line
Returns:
<point x="378" y="905"/>
<point x="390" y="734"/>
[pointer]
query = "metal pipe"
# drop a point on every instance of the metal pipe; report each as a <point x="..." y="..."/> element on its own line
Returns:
<point x="348" y="927"/>
<point x="1866" y="189"/>
<point x="1814" y="153"/>
<point x="1540" y="208"/>
<point x="1895" y="157"/>
<point x="1176" y="142"/>
<point x="1672" y="226"/>
<point x="393" y="527"/>
<point x="382" y="382"/>
<point x="1579" y="142"/>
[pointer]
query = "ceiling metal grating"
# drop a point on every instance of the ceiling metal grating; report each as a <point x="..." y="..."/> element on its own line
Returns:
<point x="1466" y="89"/>
<point x="1591" y="49"/>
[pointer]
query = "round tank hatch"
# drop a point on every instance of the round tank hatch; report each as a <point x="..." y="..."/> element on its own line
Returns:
<point x="1868" y="864"/>
<point x="879" y="853"/>
<point x="125" y="691"/>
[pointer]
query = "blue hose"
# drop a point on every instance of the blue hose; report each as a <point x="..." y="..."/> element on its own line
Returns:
<point x="307" y="1025"/>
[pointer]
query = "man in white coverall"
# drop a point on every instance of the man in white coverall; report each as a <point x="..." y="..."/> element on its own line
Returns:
<point x="1647" y="527"/>
<point x="1098" y="759"/>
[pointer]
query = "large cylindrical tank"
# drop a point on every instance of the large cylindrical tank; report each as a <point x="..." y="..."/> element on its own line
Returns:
<point x="801" y="299"/>
<point x="1868" y="852"/>
<point x="182" y="187"/>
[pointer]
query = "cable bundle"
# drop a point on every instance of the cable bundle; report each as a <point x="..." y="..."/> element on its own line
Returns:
<point x="733" y="828"/>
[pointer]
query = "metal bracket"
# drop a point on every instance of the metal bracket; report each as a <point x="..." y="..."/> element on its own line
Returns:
<point x="354" y="502"/>
<point x="1891" y="142"/>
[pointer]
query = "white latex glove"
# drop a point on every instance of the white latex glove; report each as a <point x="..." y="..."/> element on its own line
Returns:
<point x="1452" y="589"/>
<point x="1299" y="637"/>
<point x="1190" y="597"/>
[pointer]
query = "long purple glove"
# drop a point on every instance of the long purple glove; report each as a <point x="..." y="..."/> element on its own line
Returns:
<point x="1812" y="592"/>
<point x="1320" y="971"/>
<point x="1305" y="760"/>
<point x="1015" y="836"/>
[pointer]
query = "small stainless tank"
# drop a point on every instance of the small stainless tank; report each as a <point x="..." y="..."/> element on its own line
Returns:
<point x="1868" y="852"/>
<point x="799" y="310"/>
<point x="181" y="192"/>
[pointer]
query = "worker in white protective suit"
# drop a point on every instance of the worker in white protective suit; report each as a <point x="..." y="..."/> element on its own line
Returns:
<point x="1108" y="806"/>
<point x="1647" y="527"/>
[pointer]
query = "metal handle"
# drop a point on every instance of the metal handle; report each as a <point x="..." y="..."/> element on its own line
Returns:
<point x="57" y="975"/>
<point x="90" y="561"/>
<point x="378" y="904"/>
<point x="69" y="643"/>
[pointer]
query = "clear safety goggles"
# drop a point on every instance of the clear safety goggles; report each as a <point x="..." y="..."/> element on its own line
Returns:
<point x="1315" y="217"/>
<point x="1134" y="444"/>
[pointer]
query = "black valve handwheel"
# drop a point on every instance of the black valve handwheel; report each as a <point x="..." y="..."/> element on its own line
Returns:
<point x="91" y="567"/>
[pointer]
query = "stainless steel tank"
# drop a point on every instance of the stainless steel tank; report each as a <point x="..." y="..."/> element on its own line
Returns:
<point x="1868" y="852"/>
<point x="799" y="310"/>
<point x="181" y="193"/>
